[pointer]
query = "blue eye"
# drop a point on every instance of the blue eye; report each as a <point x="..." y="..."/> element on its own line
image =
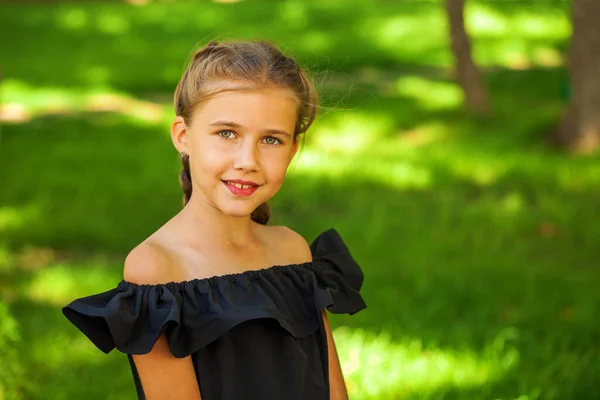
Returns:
<point x="225" y="134"/>
<point x="272" y="140"/>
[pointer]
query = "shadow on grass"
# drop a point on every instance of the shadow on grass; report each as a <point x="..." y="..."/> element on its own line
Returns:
<point x="91" y="171"/>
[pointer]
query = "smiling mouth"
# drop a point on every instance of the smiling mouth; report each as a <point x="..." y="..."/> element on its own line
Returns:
<point x="240" y="189"/>
<point x="239" y="185"/>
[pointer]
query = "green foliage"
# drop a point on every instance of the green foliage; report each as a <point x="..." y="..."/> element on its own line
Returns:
<point x="477" y="240"/>
<point x="11" y="374"/>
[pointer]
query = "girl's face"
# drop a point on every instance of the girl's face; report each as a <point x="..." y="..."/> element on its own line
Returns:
<point x="242" y="135"/>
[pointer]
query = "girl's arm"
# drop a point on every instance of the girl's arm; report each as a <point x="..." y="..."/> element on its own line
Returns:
<point x="163" y="376"/>
<point x="336" y="378"/>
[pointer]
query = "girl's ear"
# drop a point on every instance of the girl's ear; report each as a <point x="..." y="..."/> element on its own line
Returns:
<point x="294" y="149"/>
<point x="179" y="133"/>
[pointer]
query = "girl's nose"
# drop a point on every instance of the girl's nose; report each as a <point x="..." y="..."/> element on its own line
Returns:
<point x="247" y="157"/>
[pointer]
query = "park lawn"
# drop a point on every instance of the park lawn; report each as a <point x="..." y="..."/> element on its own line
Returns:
<point x="478" y="241"/>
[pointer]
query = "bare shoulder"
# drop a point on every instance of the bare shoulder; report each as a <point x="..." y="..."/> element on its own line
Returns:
<point x="293" y="244"/>
<point x="148" y="263"/>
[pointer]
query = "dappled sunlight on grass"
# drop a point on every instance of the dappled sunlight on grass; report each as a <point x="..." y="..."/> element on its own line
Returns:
<point x="12" y="219"/>
<point x="389" y="32"/>
<point x="58" y="284"/>
<point x="349" y="132"/>
<point x="414" y="159"/>
<point x="430" y="94"/>
<point x="73" y="18"/>
<point x="388" y="172"/>
<point x="343" y="144"/>
<point x="356" y="143"/>
<point x="519" y="39"/>
<point x="107" y="21"/>
<point x="353" y="143"/>
<point x="485" y="20"/>
<point x="514" y="39"/>
<point x="512" y="203"/>
<point x="6" y="259"/>
<point x="376" y="367"/>
<point x="65" y="349"/>
<point x="11" y="373"/>
<point x="426" y="134"/>
<point x="22" y="102"/>
<point x="481" y="169"/>
<point x="65" y="363"/>
<point x="112" y="23"/>
<point x="486" y="167"/>
<point x="294" y="14"/>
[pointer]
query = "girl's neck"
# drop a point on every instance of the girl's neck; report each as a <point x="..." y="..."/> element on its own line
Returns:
<point x="202" y="221"/>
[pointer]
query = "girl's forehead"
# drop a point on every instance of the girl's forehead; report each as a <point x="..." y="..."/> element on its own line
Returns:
<point x="272" y="103"/>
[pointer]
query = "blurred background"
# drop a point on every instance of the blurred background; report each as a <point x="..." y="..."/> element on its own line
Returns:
<point x="455" y="152"/>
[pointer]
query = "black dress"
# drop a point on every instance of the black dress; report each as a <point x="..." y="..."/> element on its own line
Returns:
<point x="257" y="334"/>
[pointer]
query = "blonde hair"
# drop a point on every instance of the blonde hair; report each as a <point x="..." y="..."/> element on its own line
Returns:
<point x="253" y="64"/>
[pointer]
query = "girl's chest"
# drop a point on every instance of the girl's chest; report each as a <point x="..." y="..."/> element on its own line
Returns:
<point x="218" y="261"/>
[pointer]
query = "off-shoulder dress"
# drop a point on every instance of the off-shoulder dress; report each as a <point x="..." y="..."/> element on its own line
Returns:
<point x="257" y="334"/>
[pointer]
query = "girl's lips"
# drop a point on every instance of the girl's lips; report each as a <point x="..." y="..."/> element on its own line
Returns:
<point x="238" y="191"/>
<point x="242" y="182"/>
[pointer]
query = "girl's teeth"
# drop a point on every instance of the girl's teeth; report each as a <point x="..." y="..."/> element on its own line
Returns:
<point x="239" y="185"/>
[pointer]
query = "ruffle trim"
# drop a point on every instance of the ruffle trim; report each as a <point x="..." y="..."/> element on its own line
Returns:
<point x="194" y="313"/>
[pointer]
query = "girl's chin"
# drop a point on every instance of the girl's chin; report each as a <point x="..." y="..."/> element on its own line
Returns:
<point x="238" y="212"/>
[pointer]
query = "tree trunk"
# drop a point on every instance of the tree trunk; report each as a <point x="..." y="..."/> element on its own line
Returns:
<point x="579" y="129"/>
<point x="467" y="73"/>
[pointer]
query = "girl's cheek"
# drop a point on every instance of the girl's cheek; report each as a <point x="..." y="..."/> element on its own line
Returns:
<point x="215" y="158"/>
<point x="277" y="165"/>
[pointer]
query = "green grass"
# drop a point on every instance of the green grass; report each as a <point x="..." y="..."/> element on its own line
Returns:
<point x="478" y="241"/>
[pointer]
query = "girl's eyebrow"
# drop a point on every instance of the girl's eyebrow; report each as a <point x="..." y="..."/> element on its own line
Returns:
<point x="236" y="125"/>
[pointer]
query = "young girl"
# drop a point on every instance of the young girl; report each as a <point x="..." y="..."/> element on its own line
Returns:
<point x="216" y="304"/>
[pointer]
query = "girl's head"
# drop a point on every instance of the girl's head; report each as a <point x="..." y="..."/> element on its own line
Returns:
<point x="241" y="107"/>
